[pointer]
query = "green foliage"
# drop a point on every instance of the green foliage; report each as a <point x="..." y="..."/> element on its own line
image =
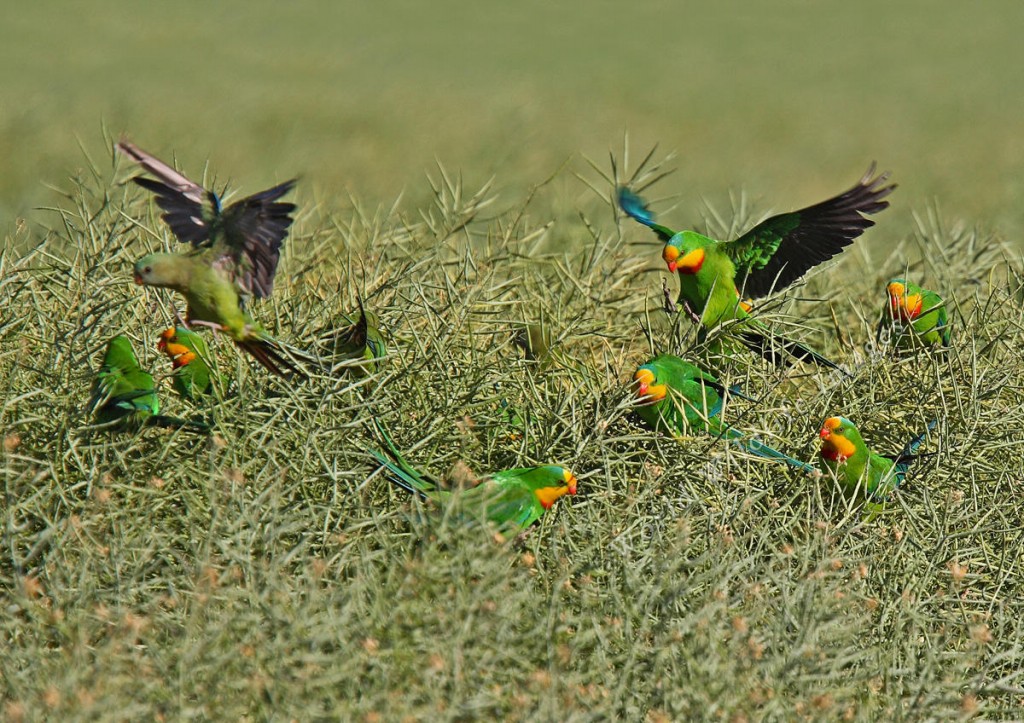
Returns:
<point x="269" y="570"/>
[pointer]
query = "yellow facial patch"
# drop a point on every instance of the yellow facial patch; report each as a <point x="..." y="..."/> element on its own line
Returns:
<point x="834" y="445"/>
<point x="549" y="495"/>
<point x="646" y="389"/>
<point x="691" y="262"/>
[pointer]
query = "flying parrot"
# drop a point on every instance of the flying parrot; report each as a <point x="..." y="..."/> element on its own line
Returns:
<point x="714" y="276"/>
<point x="360" y="342"/>
<point x="915" y="317"/>
<point x="861" y="473"/>
<point x="192" y="376"/>
<point x="234" y="254"/>
<point x="512" y="500"/>
<point x="124" y="395"/>
<point x="675" y="396"/>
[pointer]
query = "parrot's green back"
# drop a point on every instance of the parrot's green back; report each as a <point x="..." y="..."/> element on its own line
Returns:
<point x="123" y="394"/>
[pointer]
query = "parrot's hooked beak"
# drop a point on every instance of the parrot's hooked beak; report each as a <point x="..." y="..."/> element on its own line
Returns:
<point x="138" y="279"/>
<point x="671" y="256"/>
<point x="643" y="380"/>
<point x="570" y="481"/>
<point x="831" y="424"/>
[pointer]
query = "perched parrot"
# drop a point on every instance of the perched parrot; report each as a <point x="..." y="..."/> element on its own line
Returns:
<point x="124" y="396"/>
<point x="234" y="254"/>
<point x="192" y="376"/>
<point x="676" y="397"/>
<point x="535" y="340"/>
<point x="512" y="500"/>
<point x="861" y="473"/>
<point x="361" y="340"/>
<point x="714" y="275"/>
<point x="915" y="317"/>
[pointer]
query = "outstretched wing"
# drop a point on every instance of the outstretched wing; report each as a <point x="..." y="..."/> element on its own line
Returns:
<point x="780" y="250"/>
<point x="636" y="208"/>
<point x="254" y="229"/>
<point x="184" y="202"/>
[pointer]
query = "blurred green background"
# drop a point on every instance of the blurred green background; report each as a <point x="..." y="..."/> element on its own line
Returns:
<point x="786" y="99"/>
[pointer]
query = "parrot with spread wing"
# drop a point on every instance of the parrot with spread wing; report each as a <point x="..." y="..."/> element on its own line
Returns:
<point x="360" y="344"/>
<point x="915" y="318"/>
<point x="677" y="397"/>
<point x="861" y="473"/>
<point x="714" y="276"/>
<point x="512" y="499"/>
<point x="192" y="377"/>
<point x="234" y="255"/>
<point x="124" y="395"/>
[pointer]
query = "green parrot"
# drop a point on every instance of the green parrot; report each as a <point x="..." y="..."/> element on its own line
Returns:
<point x="714" y="276"/>
<point x="536" y="341"/>
<point x="234" y="255"/>
<point x="361" y="342"/>
<point x="512" y="500"/>
<point x="124" y="395"/>
<point x="675" y="396"/>
<point x="915" y="317"/>
<point x="192" y="376"/>
<point x="861" y="473"/>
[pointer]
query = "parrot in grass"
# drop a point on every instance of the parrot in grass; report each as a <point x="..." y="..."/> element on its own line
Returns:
<point x="124" y="395"/>
<point x="861" y="473"/>
<point x="915" y="317"/>
<point x="234" y="255"/>
<point x="192" y="377"/>
<point x="677" y="397"/>
<point x="715" y="276"/>
<point x="361" y="343"/>
<point x="536" y="342"/>
<point x="511" y="500"/>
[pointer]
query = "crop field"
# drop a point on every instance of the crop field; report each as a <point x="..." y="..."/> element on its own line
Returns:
<point x="457" y="167"/>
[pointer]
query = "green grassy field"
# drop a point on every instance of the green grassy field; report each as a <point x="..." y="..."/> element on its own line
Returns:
<point x="268" y="571"/>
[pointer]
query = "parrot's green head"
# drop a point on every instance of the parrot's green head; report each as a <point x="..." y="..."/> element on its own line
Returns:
<point x="119" y="352"/>
<point x="840" y="440"/>
<point x="905" y="299"/>
<point x="160" y="270"/>
<point x="648" y="389"/>
<point x="683" y="254"/>
<point x="553" y="482"/>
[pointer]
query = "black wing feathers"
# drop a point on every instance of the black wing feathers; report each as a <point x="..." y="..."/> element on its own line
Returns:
<point x="812" y="235"/>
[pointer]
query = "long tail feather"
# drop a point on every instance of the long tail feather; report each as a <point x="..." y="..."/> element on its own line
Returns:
<point x="636" y="208"/>
<point x="908" y="453"/>
<point x="782" y="352"/>
<point x="759" y="448"/>
<point x="165" y="422"/>
<point x="401" y="472"/>
<point x="276" y="357"/>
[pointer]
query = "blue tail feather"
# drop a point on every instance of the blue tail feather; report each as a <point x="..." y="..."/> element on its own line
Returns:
<point x="636" y="208"/>
<point x="907" y="454"/>
<point x="760" y="449"/>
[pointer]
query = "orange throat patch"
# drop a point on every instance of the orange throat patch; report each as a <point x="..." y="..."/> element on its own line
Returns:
<point x="837" y="449"/>
<point x="547" y="496"/>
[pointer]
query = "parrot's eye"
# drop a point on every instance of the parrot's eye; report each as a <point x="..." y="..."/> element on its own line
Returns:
<point x="148" y="270"/>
